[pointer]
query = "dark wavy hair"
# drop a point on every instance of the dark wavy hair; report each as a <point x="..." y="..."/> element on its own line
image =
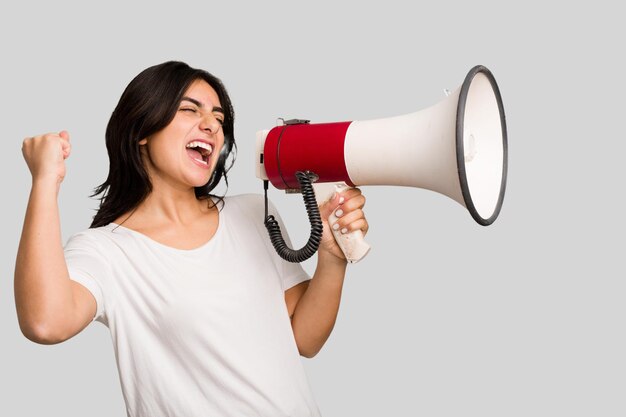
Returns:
<point x="147" y="105"/>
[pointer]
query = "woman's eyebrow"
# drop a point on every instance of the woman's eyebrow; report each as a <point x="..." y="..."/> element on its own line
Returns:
<point x="200" y="105"/>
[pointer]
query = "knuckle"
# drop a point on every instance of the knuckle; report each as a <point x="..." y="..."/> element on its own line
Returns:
<point x="341" y="223"/>
<point x="355" y="202"/>
<point x="354" y="216"/>
<point x="359" y="203"/>
<point x="352" y="205"/>
<point x="360" y="225"/>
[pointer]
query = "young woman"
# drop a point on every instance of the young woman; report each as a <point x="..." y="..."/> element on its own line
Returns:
<point x="205" y="318"/>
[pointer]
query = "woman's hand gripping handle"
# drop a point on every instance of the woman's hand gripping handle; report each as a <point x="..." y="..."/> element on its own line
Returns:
<point x="345" y="220"/>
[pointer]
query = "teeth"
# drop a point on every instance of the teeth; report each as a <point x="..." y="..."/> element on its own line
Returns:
<point x="202" y="145"/>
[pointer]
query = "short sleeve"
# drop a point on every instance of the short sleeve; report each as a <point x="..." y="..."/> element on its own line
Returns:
<point x="292" y="273"/>
<point x="87" y="264"/>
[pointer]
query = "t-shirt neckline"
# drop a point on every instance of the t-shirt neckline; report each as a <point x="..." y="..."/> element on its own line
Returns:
<point x="114" y="226"/>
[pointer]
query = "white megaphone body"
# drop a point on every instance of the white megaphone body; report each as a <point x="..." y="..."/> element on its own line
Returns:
<point x="458" y="148"/>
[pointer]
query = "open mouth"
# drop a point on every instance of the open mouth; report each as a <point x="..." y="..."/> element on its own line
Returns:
<point x="200" y="151"/>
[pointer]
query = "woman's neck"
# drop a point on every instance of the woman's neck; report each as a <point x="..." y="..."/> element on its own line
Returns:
<point x="170" y="209"/>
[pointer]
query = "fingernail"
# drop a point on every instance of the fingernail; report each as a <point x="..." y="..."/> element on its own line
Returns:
<point x="341" y="200"/>
<point x="344" y="230"/>
<point x="336" y="226"/>
<point x="339" y="213"/>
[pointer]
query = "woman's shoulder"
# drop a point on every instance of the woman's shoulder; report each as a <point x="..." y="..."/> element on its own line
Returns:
<point x="95" y="236"/>
<point x="248" y="206"/>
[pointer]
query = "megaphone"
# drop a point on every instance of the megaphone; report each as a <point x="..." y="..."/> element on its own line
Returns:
<point x="458" y="148"/>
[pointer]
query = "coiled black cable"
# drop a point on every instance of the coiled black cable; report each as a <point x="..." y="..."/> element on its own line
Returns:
<point x="308" y="195"/>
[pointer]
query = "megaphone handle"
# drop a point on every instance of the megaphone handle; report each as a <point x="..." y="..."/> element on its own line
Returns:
<point x="352" y="244"/>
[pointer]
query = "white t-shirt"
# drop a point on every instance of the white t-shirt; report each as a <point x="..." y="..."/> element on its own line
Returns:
<point x="201" y="332"/>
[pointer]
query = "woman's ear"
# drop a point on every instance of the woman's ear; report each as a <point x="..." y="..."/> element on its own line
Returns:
<point x="143" y="141"/>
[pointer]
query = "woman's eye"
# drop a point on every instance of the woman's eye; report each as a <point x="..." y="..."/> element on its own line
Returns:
<point x="188" y="109"/>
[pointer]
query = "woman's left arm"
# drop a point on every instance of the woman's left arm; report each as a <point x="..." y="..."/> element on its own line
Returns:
<point x="313" y="305"/>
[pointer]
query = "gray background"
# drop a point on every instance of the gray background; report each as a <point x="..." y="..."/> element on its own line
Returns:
<point x="444" y="317"/>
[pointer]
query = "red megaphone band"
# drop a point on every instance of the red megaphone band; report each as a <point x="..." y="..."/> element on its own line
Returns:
<point x="318" y="148"/>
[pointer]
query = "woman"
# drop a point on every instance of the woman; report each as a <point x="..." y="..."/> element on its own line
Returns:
<point x="205" y="318"/>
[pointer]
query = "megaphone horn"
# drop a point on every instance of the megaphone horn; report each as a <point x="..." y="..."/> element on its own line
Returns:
<point x="458" y="148"/>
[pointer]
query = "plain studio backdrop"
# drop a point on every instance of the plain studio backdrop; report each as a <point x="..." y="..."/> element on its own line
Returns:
<point x="444" y="317"/>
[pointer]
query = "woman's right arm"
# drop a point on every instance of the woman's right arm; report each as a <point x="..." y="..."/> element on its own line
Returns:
<point x="51" y="308"/>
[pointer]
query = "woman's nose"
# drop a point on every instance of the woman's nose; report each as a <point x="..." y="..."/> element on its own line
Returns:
<point x="210" y="124"/>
